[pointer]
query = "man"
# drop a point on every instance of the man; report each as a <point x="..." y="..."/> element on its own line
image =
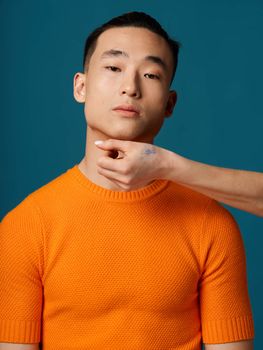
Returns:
<point x="85" y="265"/>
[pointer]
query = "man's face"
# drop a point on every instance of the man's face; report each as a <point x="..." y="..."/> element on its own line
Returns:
<point x="130" y="66"/>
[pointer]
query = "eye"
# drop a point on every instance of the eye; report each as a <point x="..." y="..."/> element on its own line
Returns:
<point x="113" y="68"/>
<point x="152" y="76"/>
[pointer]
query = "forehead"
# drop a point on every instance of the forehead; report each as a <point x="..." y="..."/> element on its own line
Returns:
<point x="137" y="42"/>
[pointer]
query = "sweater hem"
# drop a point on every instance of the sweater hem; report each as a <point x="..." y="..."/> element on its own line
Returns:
<point x="18" y="331"/>
<point x="228" y="330"/>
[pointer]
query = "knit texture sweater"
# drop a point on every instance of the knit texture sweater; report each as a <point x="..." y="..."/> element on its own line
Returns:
<point x="85" y="267"/>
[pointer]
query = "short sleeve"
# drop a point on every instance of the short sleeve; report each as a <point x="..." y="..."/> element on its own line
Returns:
<point x="21" y="262"/>
<point x="225" y="308"/>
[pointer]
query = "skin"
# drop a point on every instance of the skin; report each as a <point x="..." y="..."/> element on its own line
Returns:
<point x="243" y="345"/>
<point x="133" y="81"/>
<point x="136" y="162"/>
<point x="14" y="346"/>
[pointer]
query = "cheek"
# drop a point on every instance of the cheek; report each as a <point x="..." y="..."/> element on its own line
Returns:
<point x="102" y="89"/>
<point x="97" y="95"/>
<point x="157" y="101"/>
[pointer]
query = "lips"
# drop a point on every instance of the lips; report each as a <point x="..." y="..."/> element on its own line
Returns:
<point x="128" y="108"/>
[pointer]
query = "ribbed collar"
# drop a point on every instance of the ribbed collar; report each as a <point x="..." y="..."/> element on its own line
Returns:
<point x="118" y="196"/>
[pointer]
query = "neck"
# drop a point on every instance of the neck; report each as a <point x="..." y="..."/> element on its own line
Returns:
<point x="88" y="165"/>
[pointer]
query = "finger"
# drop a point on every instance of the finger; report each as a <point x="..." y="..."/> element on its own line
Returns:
<point x="108" y="163"/>
<point x="110" y="145"/>
<point x="124" y="182"/>
<point x="111" y="175"/>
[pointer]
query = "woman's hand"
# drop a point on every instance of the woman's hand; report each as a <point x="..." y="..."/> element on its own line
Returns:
<point x="130" y="163"/>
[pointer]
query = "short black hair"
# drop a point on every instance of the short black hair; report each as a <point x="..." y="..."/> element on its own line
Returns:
<point x="131" y="19"/>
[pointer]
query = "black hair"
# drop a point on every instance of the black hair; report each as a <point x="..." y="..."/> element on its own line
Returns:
<point x="131" y="19"/>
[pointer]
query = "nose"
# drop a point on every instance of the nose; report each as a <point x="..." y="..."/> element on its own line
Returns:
<point x="130" y="85"/>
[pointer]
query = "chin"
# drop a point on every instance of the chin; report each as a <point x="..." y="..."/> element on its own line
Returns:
<point x="122" y="134"/>
<point x="130" y="137"/>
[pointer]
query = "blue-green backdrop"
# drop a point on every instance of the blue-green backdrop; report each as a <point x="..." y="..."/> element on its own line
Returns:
<point x="218" y="118"/>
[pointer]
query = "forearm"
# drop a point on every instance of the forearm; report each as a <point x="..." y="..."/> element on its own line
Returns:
<point x="238" y="188"/>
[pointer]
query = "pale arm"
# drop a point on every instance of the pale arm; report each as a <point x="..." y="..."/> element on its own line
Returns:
<point x="238" y="188"/>
<point x="241" y="345"/>
<point x="15" y="346"/>
<point x="138" y="163"/>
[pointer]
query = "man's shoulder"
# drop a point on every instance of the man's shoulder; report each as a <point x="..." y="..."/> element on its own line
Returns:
<point x="186" y="193"/>
<point x="199" y="204"/>
<point x="46" y="196"/>
<point x="56" y="186"/>
<point x="187" y="198"/>
<point x="218" y="227"/>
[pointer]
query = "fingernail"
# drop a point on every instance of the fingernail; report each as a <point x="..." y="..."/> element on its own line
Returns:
<point x="98" y="142"/>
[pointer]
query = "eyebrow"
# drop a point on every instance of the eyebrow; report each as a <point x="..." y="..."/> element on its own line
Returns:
<point x="116" y="53"/>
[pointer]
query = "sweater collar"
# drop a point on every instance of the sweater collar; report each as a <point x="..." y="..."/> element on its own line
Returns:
<point x="118" y="196"/>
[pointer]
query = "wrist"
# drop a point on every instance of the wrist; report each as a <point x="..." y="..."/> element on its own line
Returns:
<point x="173" y="166"/>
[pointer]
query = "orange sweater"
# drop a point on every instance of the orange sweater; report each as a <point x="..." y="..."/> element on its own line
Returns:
<point x="84" y="267"/>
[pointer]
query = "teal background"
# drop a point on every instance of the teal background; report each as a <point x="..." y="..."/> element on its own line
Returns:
<point x="218" y="117"/>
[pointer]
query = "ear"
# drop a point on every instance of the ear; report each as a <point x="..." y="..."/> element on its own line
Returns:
<point x="79" y="87"/>
<point x="172" y="99"/>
